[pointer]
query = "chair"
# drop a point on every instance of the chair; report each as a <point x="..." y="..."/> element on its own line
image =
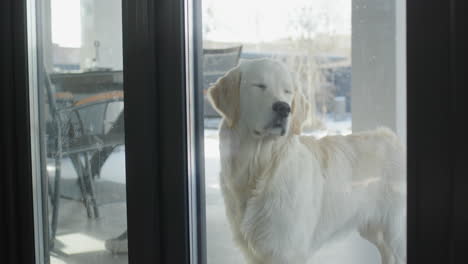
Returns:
<point x="72" y="133"/>
<point x="216" y="62"/>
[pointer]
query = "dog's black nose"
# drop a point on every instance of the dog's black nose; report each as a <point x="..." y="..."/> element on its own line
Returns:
<point x="281" y="108"/>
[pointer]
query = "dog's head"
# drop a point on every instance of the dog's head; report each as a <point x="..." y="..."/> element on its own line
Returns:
<point x="261" y="96"/>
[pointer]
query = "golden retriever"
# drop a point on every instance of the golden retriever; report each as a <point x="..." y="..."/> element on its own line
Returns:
<point x="287" y="195"/>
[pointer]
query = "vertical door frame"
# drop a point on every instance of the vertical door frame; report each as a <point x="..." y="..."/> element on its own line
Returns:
<point x="165" y="184"/>
<point x="16" y="186"/>
<point x="430" y="145"/>
<point x="459" y="109"/>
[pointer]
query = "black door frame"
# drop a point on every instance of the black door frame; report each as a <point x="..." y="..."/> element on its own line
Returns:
<point x="428" y="153"/>
<point x="156" y="125"/>
<point x="437" y="188"/>
<point x="16" y="189"/>
<point x="156" y="122"/>
<point x="459" y="110"/>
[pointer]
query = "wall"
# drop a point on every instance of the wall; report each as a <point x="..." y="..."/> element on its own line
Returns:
<point x="379" y="65"/>
<point x="102" y="21"/>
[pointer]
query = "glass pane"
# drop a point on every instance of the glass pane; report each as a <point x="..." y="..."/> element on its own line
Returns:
<point x="80" y="110"/>
<point x="305" y="131"/>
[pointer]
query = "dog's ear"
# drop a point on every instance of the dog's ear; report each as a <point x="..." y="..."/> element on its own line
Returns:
<point x="224" y="96"/>
<point x="300" y="112"/>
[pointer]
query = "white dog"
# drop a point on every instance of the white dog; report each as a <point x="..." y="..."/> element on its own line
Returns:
<point x="287" y="195"/>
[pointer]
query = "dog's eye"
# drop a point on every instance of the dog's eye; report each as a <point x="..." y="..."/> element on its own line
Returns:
<point x="287" y="91"/>
<point x="261" y="86"/>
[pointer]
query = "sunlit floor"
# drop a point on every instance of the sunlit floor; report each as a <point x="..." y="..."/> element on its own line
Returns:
<point x="81" y="240"/>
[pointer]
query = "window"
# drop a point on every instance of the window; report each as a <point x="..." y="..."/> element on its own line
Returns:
<point x="348" y="60"/>
<point x="80" y="157"/>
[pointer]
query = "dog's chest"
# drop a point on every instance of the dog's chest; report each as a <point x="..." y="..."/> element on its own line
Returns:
<point x="243" y="164"/>
<point x="249" y="164"/>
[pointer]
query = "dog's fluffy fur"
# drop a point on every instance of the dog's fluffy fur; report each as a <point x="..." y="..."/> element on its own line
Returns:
<point x="288" y="195"/>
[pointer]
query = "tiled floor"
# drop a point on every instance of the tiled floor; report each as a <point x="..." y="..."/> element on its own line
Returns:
<point x="81" y="240"/>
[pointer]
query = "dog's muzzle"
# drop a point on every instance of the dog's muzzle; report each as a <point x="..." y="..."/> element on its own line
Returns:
<point x="282" y="109"/>
<point x="280" y="120"/>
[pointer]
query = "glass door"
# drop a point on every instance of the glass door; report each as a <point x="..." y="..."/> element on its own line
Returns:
<point x="228" y="132"/>
<point x="304" y="106"/>
<point x="77" y="92"/>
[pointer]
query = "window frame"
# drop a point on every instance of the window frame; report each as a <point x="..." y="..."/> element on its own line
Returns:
<point x="155" y="61"/>
<point x="16" y="186"/>
<point x="430" y="174"/>
<point x="459" y="108"/>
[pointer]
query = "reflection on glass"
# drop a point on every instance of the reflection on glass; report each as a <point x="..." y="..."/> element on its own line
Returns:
<point x="338" y="67"/>
<point x="81" y="116"/>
